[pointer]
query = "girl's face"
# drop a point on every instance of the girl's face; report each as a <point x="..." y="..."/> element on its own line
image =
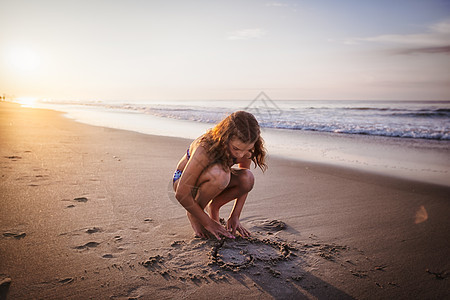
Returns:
<point x="239" y="149"/>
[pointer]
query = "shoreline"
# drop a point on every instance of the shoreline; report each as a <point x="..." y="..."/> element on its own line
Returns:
<point x="86" y="212"/>
<point x="413" y="159"/>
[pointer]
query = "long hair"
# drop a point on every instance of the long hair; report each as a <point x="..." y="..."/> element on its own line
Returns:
<point x="241" y="125"/>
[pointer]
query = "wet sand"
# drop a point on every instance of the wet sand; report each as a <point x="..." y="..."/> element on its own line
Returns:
<point x="88" y="212"/>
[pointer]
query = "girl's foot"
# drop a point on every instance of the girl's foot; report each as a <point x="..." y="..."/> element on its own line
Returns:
<point x="199" y="230"/>
<point x="213" y="213"/>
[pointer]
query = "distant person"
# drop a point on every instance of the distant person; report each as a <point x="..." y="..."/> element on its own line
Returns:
<point x="205" y="178"/>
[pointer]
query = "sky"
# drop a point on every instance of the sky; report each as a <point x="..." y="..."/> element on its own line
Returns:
<point x="225" y="49"/>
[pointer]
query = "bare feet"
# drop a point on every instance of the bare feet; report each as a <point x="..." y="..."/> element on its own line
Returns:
<point x="199" y="230"/>
<point x="213" y="213"/>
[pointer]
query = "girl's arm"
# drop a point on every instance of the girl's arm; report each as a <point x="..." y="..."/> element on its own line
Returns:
<point x="245" y="162"/>
<point x="237" y="207"/>
<point x="233" y="222"/>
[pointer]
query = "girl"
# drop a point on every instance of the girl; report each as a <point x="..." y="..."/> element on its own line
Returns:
<point x="204" y="177"/>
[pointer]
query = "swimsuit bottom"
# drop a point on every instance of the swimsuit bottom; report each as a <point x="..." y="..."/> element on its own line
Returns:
<point x="178" y="173"/>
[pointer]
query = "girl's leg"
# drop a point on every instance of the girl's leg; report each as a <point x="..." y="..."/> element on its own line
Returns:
<point x="211" y="183"/>
<point x="241" y="183"/>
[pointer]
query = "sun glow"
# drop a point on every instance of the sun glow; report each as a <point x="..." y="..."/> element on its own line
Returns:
<point x="27" y="101"/>
<point x="23" y="59"/>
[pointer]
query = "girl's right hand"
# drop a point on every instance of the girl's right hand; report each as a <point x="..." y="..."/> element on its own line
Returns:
<point x="233" y="225"/>
<point x="217" y="230"/>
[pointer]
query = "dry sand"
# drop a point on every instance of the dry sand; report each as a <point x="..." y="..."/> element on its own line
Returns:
<point x="87" y="212"/>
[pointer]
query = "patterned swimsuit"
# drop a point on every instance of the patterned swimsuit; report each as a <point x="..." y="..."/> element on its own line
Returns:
<point x="178" y="173"/>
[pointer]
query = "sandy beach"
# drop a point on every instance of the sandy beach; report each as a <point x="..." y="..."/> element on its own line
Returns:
<point x="88" y="213"/>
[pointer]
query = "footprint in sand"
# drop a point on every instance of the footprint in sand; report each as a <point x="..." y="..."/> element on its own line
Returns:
<point x="93" y="230"/>
<point x="77" y="199"/>
<point x="269" y="226"/>
<point x="13" y="157"/>
<point x="439" y="275"/>
<point x="81" y="199"/>
<point x="66" y="280"/>
<point x="5" y="283"/>
<point x="87" y="246"/>
<point x="16" y="235"/>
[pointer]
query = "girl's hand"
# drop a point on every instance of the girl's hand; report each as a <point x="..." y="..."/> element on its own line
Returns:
<point x="233" y="224"/>
<point x="217" y="230"/>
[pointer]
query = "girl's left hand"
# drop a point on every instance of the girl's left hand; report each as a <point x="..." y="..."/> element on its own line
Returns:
<point x="234" y="225"/>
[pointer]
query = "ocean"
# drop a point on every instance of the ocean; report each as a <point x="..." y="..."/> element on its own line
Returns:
<point x="404" y="119"/>
<point x="401" y="138"/>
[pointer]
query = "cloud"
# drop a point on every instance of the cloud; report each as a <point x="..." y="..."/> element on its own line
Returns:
<point x="442" y="27"/>
<point x="408" y="39"/>
<point x="246" y="34"/>
<point x="276" y="4"/>
<point x="435" y="40"/>
<point x="427" y="50"/>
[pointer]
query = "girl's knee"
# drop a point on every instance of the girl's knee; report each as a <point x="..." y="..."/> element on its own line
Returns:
<point x="218" y="177"/>
<point x="246" y="180"/>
